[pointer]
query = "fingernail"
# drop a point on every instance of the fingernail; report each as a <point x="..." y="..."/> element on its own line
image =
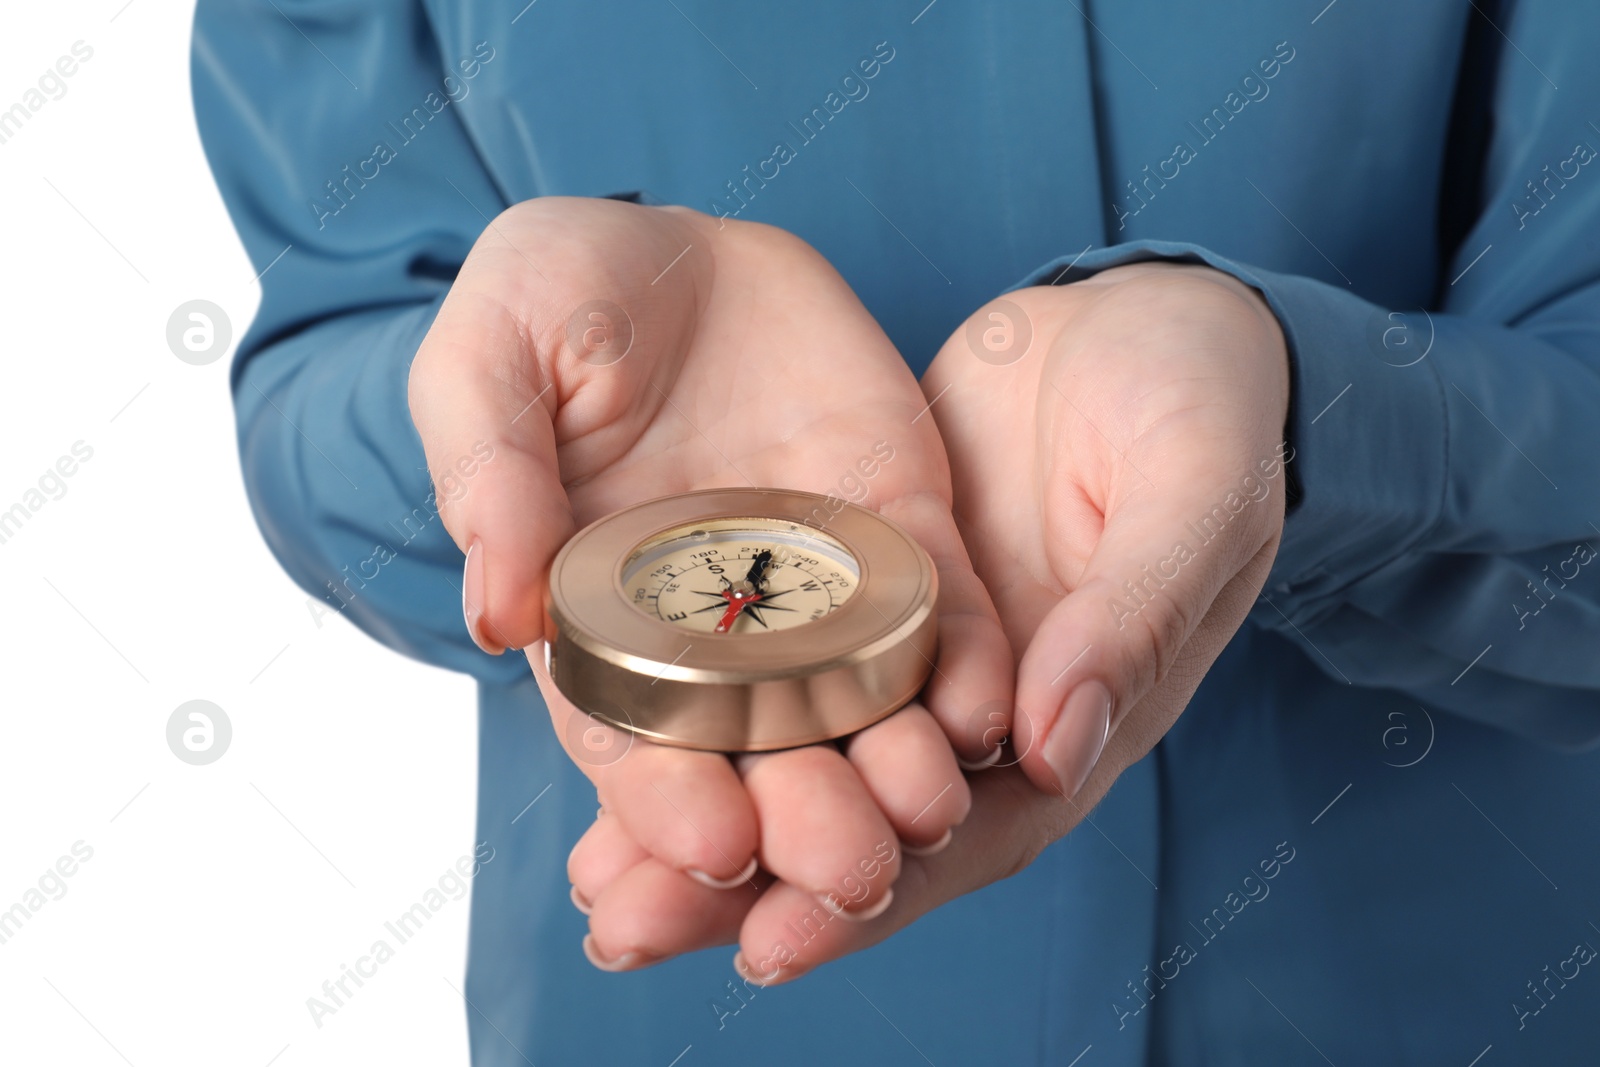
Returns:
<point x="928" y="850"/>
<point x="723" y="883"/>
<point x="983" y="764"/>
<point x="830" y="902"/>
<point x="1079" y="735"/>
<point x="743" y="969"/>
<point x="581" y="904"/>
<point x="472" y="585"/>
<point x="625" y="962"/>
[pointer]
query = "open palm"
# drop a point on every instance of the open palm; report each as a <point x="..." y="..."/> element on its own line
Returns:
<point x="1150" y="405"/>
<point x="1125" y="518"/>
<point x="613" y="353"/>
<point x="1152" y="399"/>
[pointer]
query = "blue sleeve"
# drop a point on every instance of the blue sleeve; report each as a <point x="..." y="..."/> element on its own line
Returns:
<point x="1444" y="543"/>
<point x="356" y="189"/>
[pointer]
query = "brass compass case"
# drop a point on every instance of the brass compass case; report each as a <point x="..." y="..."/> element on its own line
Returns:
<point x="853" y="642"/>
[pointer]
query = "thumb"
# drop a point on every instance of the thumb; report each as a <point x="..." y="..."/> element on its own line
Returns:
<point x="484" y="411"/>
<point x="1163" y="557"/>
<point x="507" y="350"/>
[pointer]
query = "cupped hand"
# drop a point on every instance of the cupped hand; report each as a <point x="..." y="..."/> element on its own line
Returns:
<point x="1126" y="515"/>
<point x="1120" y="482"/>
<point x="605" y="353"/>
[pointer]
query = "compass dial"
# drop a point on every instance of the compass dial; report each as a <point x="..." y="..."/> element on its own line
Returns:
<point x="742" y="575"/>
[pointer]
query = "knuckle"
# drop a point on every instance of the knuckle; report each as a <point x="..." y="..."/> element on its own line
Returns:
<point x="1164" y="623"/>
<point x="1168" y="629"/>
<point x="773" y="243"/>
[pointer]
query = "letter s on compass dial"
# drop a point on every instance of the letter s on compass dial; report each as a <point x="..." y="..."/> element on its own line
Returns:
<point x="741" y="576"/>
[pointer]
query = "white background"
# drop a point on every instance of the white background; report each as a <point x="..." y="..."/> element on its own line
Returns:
<point x="206" y="916"/>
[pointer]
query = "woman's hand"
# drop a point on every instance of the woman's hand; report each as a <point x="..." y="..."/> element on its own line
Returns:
<point x="611" y="353"/>
<point x="1121" y="484"/>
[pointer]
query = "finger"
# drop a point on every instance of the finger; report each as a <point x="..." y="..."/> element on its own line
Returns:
<point x="1136" y="732"/>
<point x="787" y="933"/>
<point x="652" y="912"/>
<point x="1152" y="576"/>
<point x="483" y="410"/>
<point x="907" y="765"/>
<point x="603" y="854"/>
<point x="821" y="830"/>
<point x="970" y="692"/>
<point x="687" y="808"/>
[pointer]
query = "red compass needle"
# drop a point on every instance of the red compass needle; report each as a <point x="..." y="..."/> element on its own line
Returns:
<point x="737" y="602"/>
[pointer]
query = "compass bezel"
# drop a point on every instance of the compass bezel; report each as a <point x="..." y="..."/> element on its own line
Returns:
<point x="742" y="691"/>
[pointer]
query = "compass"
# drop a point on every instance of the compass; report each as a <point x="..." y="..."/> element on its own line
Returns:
<point x="742" y="620"/>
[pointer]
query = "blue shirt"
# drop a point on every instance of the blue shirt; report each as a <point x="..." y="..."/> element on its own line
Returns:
<point x="1369" y="838"/>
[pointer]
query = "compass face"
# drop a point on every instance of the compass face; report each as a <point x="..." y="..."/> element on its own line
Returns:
<point x="740" y="576"/>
